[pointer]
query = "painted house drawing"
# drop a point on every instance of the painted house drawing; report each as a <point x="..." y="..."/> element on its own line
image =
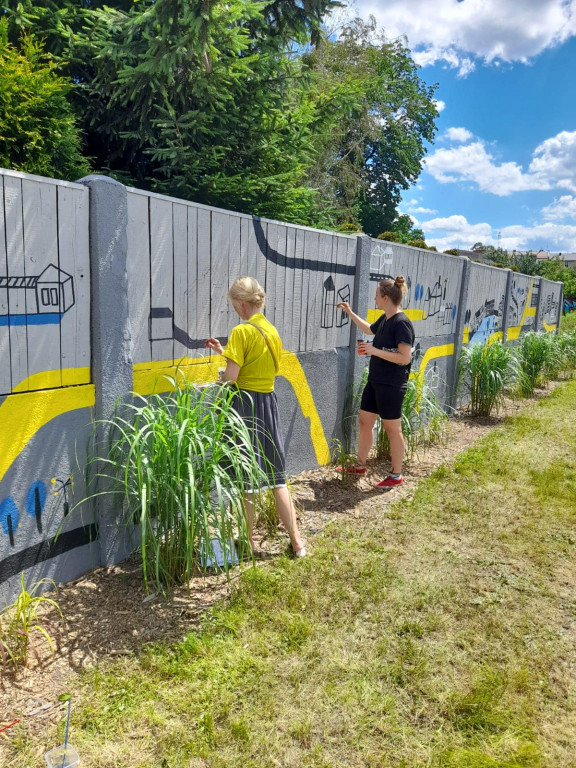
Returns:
<point x="38" y="300"/>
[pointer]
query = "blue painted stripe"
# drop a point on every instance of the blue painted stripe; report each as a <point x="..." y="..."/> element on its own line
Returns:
<point x="50" y="318"/>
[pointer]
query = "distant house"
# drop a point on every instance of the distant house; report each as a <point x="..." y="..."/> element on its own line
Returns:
<point x="569" y="259"/>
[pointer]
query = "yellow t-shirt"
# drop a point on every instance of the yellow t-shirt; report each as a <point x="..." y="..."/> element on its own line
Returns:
<point x="247" y="348"/>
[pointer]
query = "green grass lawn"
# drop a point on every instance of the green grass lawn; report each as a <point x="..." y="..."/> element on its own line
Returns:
<point x="437" y="632"/>
<point x="568" y="322"/>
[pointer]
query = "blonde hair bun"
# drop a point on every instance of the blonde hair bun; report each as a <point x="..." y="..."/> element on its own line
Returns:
<point x="247" y="290"/>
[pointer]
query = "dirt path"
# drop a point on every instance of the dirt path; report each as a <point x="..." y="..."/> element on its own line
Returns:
<point x="108" y="613"/>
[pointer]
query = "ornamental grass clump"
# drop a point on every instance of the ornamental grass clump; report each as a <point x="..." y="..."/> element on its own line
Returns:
<point x="424" y="421"/>
<point x="23" y="619"/>
<point x="180" y="464"/>
<point x="535" y="357"/>
<point x="485" y="372"/>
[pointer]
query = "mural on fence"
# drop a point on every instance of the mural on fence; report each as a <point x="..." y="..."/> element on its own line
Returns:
<point x="181" y="260"/>
<point x="484" y="315"/>
<point x="522" y="304"/>
<point x="433" y="281"/>
<point x="179" y="275"/>
<point x="549" y="306"/>
<point x="44" y="360"/>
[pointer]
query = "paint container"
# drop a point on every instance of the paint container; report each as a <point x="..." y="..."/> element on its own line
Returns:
<point x="64" y="756"/>
<point x="360" y="351"/>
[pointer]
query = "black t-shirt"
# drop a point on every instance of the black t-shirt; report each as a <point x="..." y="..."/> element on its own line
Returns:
<point x="388" y="333"/>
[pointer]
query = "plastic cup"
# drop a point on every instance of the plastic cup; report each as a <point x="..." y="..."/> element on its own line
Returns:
<point x="360" y="351"/>
<point x="62" y="757"/>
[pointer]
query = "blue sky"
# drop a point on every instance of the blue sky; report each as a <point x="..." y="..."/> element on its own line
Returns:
<point x="502" y="168"/>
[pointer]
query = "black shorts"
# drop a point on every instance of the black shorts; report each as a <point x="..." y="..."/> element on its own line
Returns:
<point x="384" y="400"/>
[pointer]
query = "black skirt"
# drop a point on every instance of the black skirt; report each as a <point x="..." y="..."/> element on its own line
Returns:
<point x="259" y="410"/>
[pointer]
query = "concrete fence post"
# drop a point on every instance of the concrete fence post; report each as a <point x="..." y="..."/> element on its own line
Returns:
<point x="560" y="308"/>
<point x="538" y="305"/>
<point x="112" y="365"/>
<point x="505" y="313"/>
<point x="452" y="384"/>
<point x="360" y="301"/>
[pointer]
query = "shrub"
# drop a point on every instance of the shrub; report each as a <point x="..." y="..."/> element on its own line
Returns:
<point x="181" y="464"/>
<point x="485" y="371"/>
<point x="534" y="354"/>
<point x="391" y="236"/>
<point x="417" y="243"/>
<point x="349" y="228"/>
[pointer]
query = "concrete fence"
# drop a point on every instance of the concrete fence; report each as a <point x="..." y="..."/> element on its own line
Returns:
<point x="106" y="290"/>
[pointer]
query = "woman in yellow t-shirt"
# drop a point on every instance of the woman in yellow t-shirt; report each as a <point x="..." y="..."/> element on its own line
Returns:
<point x="252" y="363"/>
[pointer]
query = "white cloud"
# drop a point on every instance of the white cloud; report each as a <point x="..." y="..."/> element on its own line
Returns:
<point x="413" y="206"/>
<point x="472" y="163"/>
<point x="459" y="32"/>
<point x="457" y="232"/>
<point x="440" y="105"/>
<point x="553" y="165"/>
<point x="563" y="208"/>
<point x="555" y="159"/>
<point x="457" y="135"/>
<point x="548" y="236"/>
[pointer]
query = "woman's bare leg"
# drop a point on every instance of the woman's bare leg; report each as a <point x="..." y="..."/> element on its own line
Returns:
<point x="366" y="435"/>
<point x="393" y="429"/>
<point x="287" y="515"/>
<point x="249" y="514"/>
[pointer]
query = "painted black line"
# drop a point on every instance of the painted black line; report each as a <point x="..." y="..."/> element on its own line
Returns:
<point x="288" y="262"/>
<point x="26" y="558"/>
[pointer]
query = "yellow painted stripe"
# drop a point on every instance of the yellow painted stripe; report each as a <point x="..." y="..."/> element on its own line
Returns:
<point x="155" y="376"/>
<point x="53" y="379"/>
<point x="72" y="377"/>
<point x="412" y="314"/>
<point x="22" y="415"/>
<point x="496" y="336"/>
<point x="151" y="377"/>
<point x="549" y="328"/>
<point x="466" y="335"/>
<point x="292" y="370"/>
<point x="415" y="314"/>
<point x="443" y="350"/>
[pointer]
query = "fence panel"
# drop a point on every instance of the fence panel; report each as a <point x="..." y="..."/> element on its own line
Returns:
<point x="549" y="309"/>
<point x="522" y="305"/>
<point x="485" y="306"/>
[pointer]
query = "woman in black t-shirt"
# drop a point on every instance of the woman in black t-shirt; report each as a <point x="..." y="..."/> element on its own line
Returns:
<point x="390" y="358"/>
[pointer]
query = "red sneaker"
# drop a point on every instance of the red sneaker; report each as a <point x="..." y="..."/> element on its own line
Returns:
<point x="390" y="482"/>
<point x="352" y="470"/>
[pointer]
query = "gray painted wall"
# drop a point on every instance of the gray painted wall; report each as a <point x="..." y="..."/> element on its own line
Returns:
<point x="105" y="289"/>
